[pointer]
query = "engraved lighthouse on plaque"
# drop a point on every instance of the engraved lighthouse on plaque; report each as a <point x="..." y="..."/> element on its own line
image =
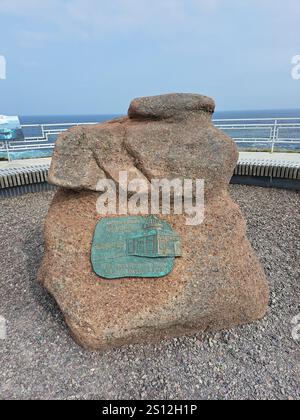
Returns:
<point x="155" y="241"/>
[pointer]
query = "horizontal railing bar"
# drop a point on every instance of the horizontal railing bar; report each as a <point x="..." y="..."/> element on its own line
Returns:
<point x="237" y="140"/>
<point x="281" y="139"/>
<point x="20" y="148"/>
<point x="267" y="139"/>
<point x="57" y="124"/>
<point x="257" y="119"/>
<point x="258" y="126"/>
<point x="267" y="142"/>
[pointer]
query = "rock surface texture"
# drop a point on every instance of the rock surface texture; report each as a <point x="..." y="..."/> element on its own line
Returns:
<point x="217" y="284"/>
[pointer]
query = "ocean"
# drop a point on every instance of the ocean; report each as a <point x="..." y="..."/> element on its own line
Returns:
<point x="53" y="119"/>
<point x="285" y="133"/>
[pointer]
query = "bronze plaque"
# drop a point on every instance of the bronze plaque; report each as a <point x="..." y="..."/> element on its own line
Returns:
<point x="134" y="246"/>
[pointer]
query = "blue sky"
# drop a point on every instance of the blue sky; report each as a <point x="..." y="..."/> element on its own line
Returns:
<point x="94" y="56"/>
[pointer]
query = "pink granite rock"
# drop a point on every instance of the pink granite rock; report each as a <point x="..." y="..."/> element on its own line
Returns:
<point x="217" y="283"/>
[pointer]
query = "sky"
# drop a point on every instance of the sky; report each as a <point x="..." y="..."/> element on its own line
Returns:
<point x="95" y="56"/>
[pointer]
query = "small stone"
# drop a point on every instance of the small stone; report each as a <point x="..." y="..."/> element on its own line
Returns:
<point x="172" y="105"/>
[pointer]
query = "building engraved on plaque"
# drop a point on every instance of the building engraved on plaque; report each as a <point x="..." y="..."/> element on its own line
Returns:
<point x="134" y="246"/>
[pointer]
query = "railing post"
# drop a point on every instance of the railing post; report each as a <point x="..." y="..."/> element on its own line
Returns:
<point x="275" y="135"/>
<point x="7" y="151"/>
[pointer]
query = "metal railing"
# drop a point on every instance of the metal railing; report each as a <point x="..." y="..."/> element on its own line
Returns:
<point x="266" y="134"/>
<point x="37" y="137"/>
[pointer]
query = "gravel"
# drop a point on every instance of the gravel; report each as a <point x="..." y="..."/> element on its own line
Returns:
<point x="39" y="359"/>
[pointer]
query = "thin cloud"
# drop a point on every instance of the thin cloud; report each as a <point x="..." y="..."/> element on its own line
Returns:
<point x="29" y="7"/>
<point x="94" y="18"/>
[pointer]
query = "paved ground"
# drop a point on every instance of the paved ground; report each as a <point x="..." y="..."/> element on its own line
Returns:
<point x="24" y="163"/>
<point x="40" y="360"/>
<point x="271" y="157"/>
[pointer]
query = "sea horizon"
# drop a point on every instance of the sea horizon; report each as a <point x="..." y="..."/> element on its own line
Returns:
<point x="93" y="117"/>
